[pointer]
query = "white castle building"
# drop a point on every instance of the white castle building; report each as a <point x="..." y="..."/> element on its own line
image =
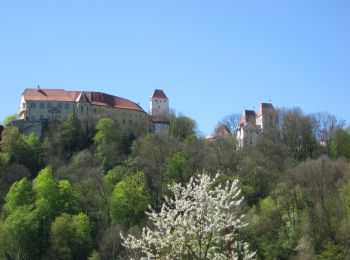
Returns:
<point x="159" y="111"/>
<point x="252" y="124"/>
<point x="45" y="105"/>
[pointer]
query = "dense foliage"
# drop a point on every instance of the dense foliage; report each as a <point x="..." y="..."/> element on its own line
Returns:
<point x="69" y="194"/>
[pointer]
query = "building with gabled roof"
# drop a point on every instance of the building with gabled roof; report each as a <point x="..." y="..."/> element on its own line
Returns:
<point x="221" y="132"/>
<point x="39" y="104"/>
<point x="266" y="115"/>
<point x="253" y="124"/>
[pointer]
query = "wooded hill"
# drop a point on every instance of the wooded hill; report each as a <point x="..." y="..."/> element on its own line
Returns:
<point x="70" y="194"/>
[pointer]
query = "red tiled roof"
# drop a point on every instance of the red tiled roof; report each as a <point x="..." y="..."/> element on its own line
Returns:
<point x="223" y="130"/>
<point x="39" y="94"/>
<point x="248" y="116"/>
<point x="265" y="108"/>
<point x="158" y="93"/>
<point x="95" y="98"/>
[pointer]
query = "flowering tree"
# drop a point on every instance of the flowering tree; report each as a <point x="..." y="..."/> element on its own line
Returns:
<point x="200" y="222"/>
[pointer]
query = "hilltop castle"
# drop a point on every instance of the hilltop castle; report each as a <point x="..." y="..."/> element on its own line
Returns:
<point x="252" y="124"/>
<point x="39" y="105"/>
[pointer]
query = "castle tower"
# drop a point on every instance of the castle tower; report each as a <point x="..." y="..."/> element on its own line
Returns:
<point x="159" y="113"/>
<point x="159" y="103"/>
<point x="266" y="116"/>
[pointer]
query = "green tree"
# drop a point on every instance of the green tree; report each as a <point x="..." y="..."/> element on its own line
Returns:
<point x="129" y="200"/>
<point x="331" y="251"/>
<point x="149" y="154"/>
<point x="68" y="198"/>
<point x="116" y="174"/>
<point x="9" y="174"/>
<point x="20" y="194"/>
<point x="106" y="131"/>
<point x="13" y="144"/>
<point x="340" y="145"/>
<point x="33" y="152"/>
<point x="21" y="149"/>
<point x="182" y="126"/>
<point x="70" y="236"/>
<point x="107" y="140"/>
<point x="176" y="169"/>
<point x="275" y="223"/>
<point x="46" y="188"/>
<point x="9" y="119"/>
<point x="62" y="139"/>
<point x="297" y="132"/>
<point x="71" y="134"/>
<point x="22" y="234"/>
<point x="318" y="180"/>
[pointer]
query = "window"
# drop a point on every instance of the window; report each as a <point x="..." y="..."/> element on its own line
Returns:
<point x="41" y="117"/>
<point x="81" y="109"/>
<point x="59" y="105"/>
<point x="42" y="105"/>
<point x="49" y="105"/>
<point x="130" y="122"/>
<point x="123" y="114"/>
<point x="32" y="118"/>
<point x="124" y="121"/>
<point x="33" y="105"/>
<point x="66" y="105"/>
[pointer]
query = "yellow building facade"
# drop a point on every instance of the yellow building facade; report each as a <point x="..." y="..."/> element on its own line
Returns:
<point x="55" y="104"/>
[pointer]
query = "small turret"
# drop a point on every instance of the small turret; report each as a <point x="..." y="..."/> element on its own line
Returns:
<point x="159" y="103"/>
<point x="159" y="113"/>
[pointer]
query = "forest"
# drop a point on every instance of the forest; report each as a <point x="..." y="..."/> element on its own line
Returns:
<point x="73" y="194"/>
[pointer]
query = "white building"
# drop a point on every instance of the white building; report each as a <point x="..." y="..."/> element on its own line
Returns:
<point x="248" y="131"/>
<point x="159" y="110"/>
<point x="266" y="116"/>
<point x="252" y="125"/>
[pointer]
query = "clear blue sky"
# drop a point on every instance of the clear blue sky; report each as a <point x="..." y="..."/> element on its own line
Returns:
<point x="212" y="58"/>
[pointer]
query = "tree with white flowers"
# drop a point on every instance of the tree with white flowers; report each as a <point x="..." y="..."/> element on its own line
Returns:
<point x="200" y="221"/>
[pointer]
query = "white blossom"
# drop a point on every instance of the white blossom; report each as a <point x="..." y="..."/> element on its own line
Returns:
<point x="200" y="221"/>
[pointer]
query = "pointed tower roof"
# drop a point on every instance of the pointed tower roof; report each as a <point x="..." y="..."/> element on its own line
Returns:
<point x="158" y="93"/>
<point x="248" y="116"/>
<point x="265" y="108"/>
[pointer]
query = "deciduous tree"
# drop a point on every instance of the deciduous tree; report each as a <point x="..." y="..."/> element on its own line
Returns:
<point x="129" y="200"/>
<point x="201" y="221"/>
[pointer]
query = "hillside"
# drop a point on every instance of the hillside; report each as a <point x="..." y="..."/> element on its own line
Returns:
<point x="69" y="194"/>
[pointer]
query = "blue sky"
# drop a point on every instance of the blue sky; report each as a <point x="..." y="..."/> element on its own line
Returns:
<point x="212" y="58"/>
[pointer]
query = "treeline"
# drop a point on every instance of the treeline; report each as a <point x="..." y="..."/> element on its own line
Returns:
<point x="71" y="193"/>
